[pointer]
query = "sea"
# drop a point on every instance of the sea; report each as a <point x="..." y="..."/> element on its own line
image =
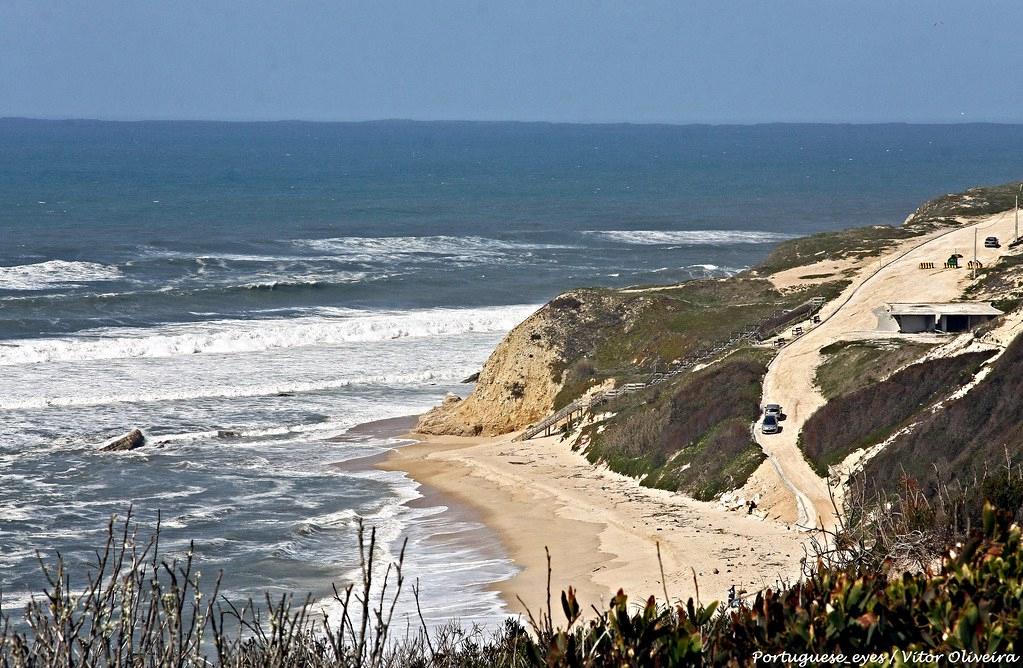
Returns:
<point x="252" y="295"/>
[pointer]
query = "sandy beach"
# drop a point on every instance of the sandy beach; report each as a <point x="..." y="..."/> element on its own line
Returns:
<point x="602" y="529"/>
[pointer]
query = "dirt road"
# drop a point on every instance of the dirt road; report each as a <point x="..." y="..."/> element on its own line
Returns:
<point x="895" y="277"/>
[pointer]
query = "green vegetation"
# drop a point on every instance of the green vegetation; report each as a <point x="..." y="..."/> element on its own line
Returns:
<point x="980" y="201"/>
<point x="145" y="612"/>
<point x="851" y="365"/>
<point x="869" y="415"/>
<point x="1001" y="282"/>
<point x="977" y="431"/>
<point x="861" y="242"/>
<point x="689" y="436"/>
<point x="644" y="331"/>
<point x="856" y="242"/>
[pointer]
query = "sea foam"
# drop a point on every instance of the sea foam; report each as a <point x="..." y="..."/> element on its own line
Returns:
<point x="234" y="336"/>
<point x="371" y="249"/>
<point x="690" y="237"/>
<point x="54" y="273"/>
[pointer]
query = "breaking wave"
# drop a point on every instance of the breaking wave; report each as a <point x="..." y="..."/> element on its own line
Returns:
<point x="55" y="273"/>
<point x="331" y="326"/>
<point x="135" y="396"/>
<point x="374" y="249"/>
<point x="690" y="237"/>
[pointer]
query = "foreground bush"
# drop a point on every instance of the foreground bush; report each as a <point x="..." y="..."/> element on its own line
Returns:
<point x="146" y="613"/>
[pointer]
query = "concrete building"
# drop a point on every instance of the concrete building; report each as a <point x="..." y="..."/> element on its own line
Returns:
<point x="941" y="317"/>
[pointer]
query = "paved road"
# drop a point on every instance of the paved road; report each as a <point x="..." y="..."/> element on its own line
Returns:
<point x="897" y="278"/>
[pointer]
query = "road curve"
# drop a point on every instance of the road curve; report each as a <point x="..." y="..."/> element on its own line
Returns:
<point x="897" y="278"/>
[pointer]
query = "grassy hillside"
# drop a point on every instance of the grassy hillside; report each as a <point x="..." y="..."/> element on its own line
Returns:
<point x="1001" y="283"/>
<point x="691" y="436"/>
<point x="981" y="430"/>
<point x="851" y="365"/>
<point x="666" y="324"/>
<point x="979" y="201"/>
<point x="869" y="415"/>
<point x="860" y="242"/>
<point x="854" y="243"/>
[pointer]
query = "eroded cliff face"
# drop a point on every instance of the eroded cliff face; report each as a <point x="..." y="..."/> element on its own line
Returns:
<point x="519" y="382"/>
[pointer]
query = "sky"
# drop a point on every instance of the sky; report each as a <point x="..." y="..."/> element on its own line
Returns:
<point x="720" y="61"/>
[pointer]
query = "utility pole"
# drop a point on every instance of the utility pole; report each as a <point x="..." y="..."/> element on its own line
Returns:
<point x="975" y="252"/>
<point x="1017" y="211"/>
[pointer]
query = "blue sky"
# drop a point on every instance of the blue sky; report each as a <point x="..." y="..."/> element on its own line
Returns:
<point x="590" y="61"/>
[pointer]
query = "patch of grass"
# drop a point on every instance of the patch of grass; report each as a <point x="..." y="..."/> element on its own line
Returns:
<point x="854" y="600"/>
<point x="691" y="436"/>
<point x="723" y="459"/>
<point x="851" y="365"/>
<point x="861" y="242"/>
<point x="979" y="201"/>
<point x="857" y="242"/>
<point x="980" y="430"/>
<point x="869" y="415"/>
<point x="666" y="325"/>
<point x="1000" y="281"/>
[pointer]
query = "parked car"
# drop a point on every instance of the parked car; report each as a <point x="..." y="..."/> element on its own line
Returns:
<point x="773" y="409"/>
<point x="991" y="242"/>
<point x="770" y="425"/>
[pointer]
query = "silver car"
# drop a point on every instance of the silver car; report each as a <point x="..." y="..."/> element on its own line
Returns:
<point x="770" y="425"/>
<point x="773" y="409"/>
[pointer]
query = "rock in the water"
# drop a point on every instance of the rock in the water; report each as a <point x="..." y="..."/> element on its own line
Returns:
<point x="473" y="378"/>
<point x="228" y="433"/>
<point x="133" y="440"/>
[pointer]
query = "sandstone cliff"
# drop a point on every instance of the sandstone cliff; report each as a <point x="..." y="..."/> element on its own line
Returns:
<point x="519" y="382"/>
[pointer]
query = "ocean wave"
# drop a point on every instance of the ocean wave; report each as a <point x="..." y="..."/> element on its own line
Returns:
<point x="690" y="237"/>
<point x="55" y="273"/>
<point x="695" y="271"/>
<point x="375" y="249"/>
<point x="234" y="336"/>
<point x="452" y="375"/>
<point x="328" y="428"/>
<point x="186" y="286"/>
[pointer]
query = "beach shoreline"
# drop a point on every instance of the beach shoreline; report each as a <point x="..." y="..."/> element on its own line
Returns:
<point x="603" y="530"/>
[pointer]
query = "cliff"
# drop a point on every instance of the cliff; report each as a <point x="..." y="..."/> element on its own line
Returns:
<point x="520" y="381"/>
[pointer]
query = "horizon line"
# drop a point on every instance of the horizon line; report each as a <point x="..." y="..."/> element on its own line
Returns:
<point x="440" y="121"/>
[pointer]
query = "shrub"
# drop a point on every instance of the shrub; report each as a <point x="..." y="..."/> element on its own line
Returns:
<point x="139" y="610"/>
<point x="968" y="435"/>
<point x="694" y="437"/>
<point x="869" y="415"/>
